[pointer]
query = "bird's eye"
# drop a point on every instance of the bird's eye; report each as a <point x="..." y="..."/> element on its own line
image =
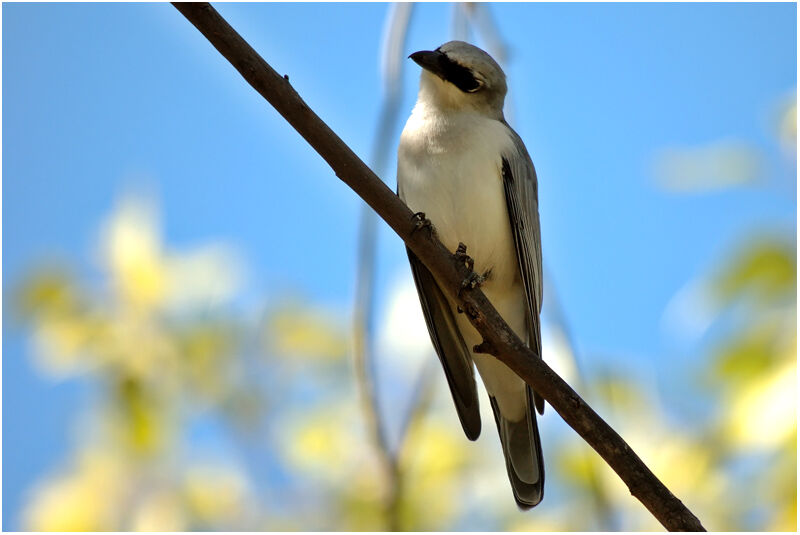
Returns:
<point x="458" y="75"/>
<point x="478" y="85"/>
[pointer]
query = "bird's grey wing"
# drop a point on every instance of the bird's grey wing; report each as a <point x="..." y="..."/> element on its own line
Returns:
<point x="521" y="189"/>
<point x="450" y="347"/>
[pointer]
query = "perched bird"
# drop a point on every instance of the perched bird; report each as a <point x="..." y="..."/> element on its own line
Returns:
<point x="461" y="166"/>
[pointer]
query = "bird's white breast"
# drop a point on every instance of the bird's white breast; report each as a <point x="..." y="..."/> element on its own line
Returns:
<point x="450" y="167"/>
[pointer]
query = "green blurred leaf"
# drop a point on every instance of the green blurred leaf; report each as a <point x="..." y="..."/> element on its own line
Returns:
<point x="47" y="292"/>
<point x="141" y="416"/>
<point x="764" y="269"/>
<point x="747" y="355"/>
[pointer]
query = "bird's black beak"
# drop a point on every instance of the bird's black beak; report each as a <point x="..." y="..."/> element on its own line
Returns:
<point x="441" y="65"/>
<point x="430" y="60"/>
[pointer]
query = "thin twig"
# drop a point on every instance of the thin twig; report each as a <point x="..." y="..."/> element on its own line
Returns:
<point x="364" y="362"/>
<point x="459" y="21"/>
<point x="480" y="15"/>
<point x="418" y="399"/>
<point x="446" y="268"/>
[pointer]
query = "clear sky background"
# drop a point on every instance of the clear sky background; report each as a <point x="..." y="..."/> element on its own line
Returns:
<point x="99" y="99"/>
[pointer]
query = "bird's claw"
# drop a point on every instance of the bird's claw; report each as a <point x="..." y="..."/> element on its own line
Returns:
<point x="461" y="254"/>
<point x="421" y="222"/>
<point x="472" y="281"/>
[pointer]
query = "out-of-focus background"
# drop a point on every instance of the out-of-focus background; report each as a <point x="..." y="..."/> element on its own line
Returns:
<point x="203" y="329"/>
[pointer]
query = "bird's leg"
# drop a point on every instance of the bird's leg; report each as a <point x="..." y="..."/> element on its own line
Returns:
<point x="473" y="280"/>
<point x="420" y="222"/>
<point x="461" y="254"/>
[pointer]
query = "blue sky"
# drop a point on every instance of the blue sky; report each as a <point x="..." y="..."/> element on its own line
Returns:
<point x="101" y="98"/>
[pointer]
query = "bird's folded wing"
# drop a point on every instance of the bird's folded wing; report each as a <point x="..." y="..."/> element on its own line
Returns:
<point x="521" y="188"/>
<point x="449" y="344"/>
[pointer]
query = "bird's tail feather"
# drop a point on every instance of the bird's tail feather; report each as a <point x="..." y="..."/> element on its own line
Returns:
<point x="523" y="453"/>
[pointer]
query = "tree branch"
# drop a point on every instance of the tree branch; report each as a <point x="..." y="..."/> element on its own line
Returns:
<point x="447" y="270"/>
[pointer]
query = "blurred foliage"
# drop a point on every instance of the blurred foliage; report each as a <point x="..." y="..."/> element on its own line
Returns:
<point x="708" y="168"/>
<point x="294" y="329"/>
<point x="153" y="357"/>
<point x="279" y="392"/>
<point x="162" y="359"/>
<point x="753" y="369"/>
<point x="763" y="270"/>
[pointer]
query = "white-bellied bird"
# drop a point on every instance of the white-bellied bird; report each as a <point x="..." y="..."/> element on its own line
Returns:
<point x="461" y="167"/>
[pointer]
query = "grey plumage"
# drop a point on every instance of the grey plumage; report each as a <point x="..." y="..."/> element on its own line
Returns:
<point x="461" y="164"/>
<point x="522" y="196"/>
<point x="450" y="347"/>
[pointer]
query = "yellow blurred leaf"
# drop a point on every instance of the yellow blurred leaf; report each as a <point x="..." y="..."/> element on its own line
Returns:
<point x="438" y="452"/>
<point x="785" y="518"/>
<point x="215" y="494"/>
<point x="161" y="510"/>
<point x="60" y="346"/>
<point x="323" y="443"/>
<point x="132" y="251"/>
<point x="763" y="413"/>
<point x="298" y="331"/>
<point x="86" y="498"/>
<point x="433" y="460"/>
<point x="787" y="124"/>
<point x="715" y="166"/>
<point x="778" y="486"/>
<point x="573" y="466"/>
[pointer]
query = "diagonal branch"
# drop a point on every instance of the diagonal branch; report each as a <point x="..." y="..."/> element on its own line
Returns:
<point x="499" y="340"/>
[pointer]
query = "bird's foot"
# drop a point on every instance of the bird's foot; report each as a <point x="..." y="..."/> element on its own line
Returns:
<point x="473" y="280"/>
<point x="422" y="222"/>
<point x="461" y="254"/>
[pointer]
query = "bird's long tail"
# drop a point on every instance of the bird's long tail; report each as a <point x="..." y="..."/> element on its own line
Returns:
<point x="523" y="453"/>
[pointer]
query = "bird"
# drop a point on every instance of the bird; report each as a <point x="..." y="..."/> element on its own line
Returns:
<point x="467" y="174"/>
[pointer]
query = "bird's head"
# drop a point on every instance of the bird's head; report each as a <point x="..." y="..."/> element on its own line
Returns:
<point x="460" y="76"/>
